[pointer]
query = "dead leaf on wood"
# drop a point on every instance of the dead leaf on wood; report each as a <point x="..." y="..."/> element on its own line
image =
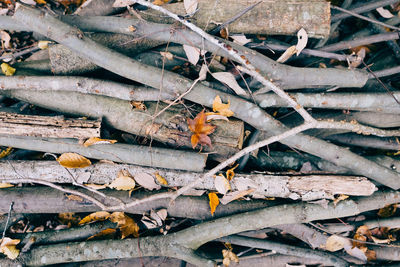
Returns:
<point x="387" y="211"/>
<point x="214" y="202"/>
<point x="384" y="13"/>
<point x="200" y="130"/>
<point x="96" y="216"/>
<point x="147" y="181"/>
<point x="126" y="224"/>
<point x="221" y="184"/>
<point x="240" y="39"/>
<point x="229" y="256"/>
<point x="44" y="44"/>
<point x="203" y="72"/>
<point x="228" y="79"/>
<point x="124" y="181"/>
<point x="287" y="54"/>
<point x="7" y="69"/>
<point x="302" y="39"/>
<point x="95" y="140"/>
<point x="231" y="196"/>
<point x="5" y="152"/>
<point x="155" y="219"/>
<point x="194" y="192"/>
<point x="139" y="105"/>
<point x="8" y="247"/>
<point x="72" y="197"/>
<point x="213" y="117"/>
<point x="231" y="173"/>
<point x="96" y="186"/>
<point x="108" y="233"/>
<point x="190" y="6"/>
<point x="339" y="198"/>
<point x="69" y="218"/>
<point x="335" y="243"/>
<point x="5" y="185"/>
<point x="160" y="179"/>
<point x="167" y="55"/>
<point x="192" y="53"/>
<point x="222" y="109"/>
<point x="73" y="160"/>
<point x="5" y="39"/>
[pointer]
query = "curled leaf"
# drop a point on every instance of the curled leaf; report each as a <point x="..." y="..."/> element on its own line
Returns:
<point x="96" y="140"/>
<point x="96" y="216"/>
<point x="302" y="39"/>
<point x="73" y="160"/>
<point x="105" y="234"/>
<point x="230" y="173"/>
<point x="200" y="130"/>
<point x="160" y="179"/>
<point x="126" y="224"/>
<point x="214" y="202"/>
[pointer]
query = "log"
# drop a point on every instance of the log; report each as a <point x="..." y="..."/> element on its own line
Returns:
<point x="48" y="126"/>
<point x="304" y="187"/>
<point x="268" y="17"/>
<point x="170" y="127"/>
<point x="132" y="154"/>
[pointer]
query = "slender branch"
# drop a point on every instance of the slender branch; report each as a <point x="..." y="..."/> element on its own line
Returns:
<point x="7" y="222"/>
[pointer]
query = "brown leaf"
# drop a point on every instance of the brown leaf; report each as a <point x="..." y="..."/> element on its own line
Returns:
<point x="96" y="216"/>
<point x="124" y="181"/>
<point x="69" y="218"/>
<point x="73" y="160"/>
<point x="125" y="223"/>
<point x="200" y="130"/>
<point x="96" y="140"/>
<point x="222" y="109"/>
<point x="214" y="202"/>
<point x="339" y="198"/>
<point x="387" y="211"/>
<point x="139" y="105"/>
<point x="230" y="173"/>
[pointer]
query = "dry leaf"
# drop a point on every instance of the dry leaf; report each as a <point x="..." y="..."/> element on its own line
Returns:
<point x="213" y="117"/>
<point x="44" y="44"/>
<point x="230" y="173"/>
<point x="224" y="32"/>
<point x="5" y="152"/>
<point x="124" y="181"/>
<point x="214" y="202"/>
<point x="355" y="252"/>
<point x="200" y="130"/>
<point x="387" y="211"/>
<point x="335" y="243"/>
<point x="228" y="79"/>
<point x="126" y="224"/>
<point x="96" y="140"/>
<point x="287" y="54"/>
<point x="96" y="186"/>
<point x="160" y="179"/>
<point x="203" y="72"/>
<point x="221" y="184"/>
<point x="8" y="248"/>
<point x="160" y="2"/>
<point x="147" y="181"/>
<point x="7" y="69"/>
<point x="73" y="160"/>
<point x="302" y="39"/>
<point x="190" y="6"/>
<point x="5" y="39"/>
<point x="72" y="197"/>
<point x="96" y="216"/>
<point x="69" y="218"/>
<point x="192" y="53"/>
<point x="41" y="2"/>
<point x="139" y="105"/>
<point x="360" y="57"/>
<point x="229" y="256"/>
<point x="339" y="198"/>
<point x="167" y="55"/>
<point x="222" y="109"/>
<point x="105" y="234"/>
<point x="231" y="196"/>
<point x="5" y="185"/>
<point x="240" y="39"/>
<point x="380" y="241"/>
<point x="384" y="13"/>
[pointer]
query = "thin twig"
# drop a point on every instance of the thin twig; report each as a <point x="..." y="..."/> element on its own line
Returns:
<point x="366" y="18"/>
<point x="8" y="221"/>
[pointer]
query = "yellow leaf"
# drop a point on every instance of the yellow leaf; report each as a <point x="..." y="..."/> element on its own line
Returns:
<point x="73" y="160"/>
<point x="43" y="44"/>
<point x="124" y="181"/>
<point x="159" y="2"/>
<point x="160" y="179"/>
<point x="222" y="109"/>
<point x="125" y="223"/>
<point x="96" y="186"/>
<point x="230" y="173"/>
<point x="106" y="233"/>
<point x="339" y="198"/>
<point x="5" y="185"/>
<point x="5" y="152"/>
<point x="8" y="248"/>
<point x="40" y="2"/>
<point x="7" y="69"/>
<point x="214" y="202"/>
<point x="96" y="140"/>
<point x="96" y="216"/>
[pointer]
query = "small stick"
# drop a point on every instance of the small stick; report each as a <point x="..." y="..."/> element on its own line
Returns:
<point x="8" y="221"/>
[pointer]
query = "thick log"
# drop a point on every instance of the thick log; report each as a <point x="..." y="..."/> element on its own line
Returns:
<point x="170" y="127"/>
<point x="305" y="187"/>
<point x="268" y="17"/>
<point x="48" y="126"/>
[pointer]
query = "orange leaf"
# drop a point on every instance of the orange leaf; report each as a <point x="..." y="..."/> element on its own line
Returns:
<point x="214" y="202"/>
<point x="96" y="140"/>
<point x="96" y="216"/>
<point x="125" y="223"/>
<point x="230" y="173"/>
<point x="200" y="130"/>
<point x="106" y="233"/>
<point x="387" y="211"/>
<point x="73" y="160"/>
<point x="222" y="109"/>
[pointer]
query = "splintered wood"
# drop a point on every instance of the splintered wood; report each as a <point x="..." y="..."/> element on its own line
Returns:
<point x="48" y="126"/>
